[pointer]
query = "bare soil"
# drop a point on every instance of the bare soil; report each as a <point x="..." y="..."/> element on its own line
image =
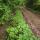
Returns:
<point x="33" y="21"/>
<point x="2" y="33"/>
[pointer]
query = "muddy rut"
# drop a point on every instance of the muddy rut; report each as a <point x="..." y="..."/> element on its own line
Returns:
<point x="33" y="21"/>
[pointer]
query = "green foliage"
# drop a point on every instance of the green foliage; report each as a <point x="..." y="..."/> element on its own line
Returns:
<point x="1" y="13"/>
<point x="14" y="3"/>
<point x="38" y="2"/>
<point x="5" y="13"/>
<point x="21" y="31"/>
<point x="36" y="8"/>
<point x="7" y="7"/>
<point x="33" y="4"/>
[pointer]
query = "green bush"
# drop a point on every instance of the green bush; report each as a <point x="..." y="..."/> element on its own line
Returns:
<point x="5" y="13"/>
<point x="13" y="3"/>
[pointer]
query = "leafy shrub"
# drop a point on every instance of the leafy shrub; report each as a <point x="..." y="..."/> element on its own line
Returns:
<point x="5" y="13"/>
<point x="14" y="3"/>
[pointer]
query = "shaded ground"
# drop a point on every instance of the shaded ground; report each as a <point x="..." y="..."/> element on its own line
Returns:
<point x="33" y="20"/>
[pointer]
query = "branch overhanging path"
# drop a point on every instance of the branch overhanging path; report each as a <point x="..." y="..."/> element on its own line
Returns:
<point x="33" y="21"/>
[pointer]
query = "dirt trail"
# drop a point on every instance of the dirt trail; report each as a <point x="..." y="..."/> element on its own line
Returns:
<point x="33" y="20"/>
<point x="3" y="29"/>
<point x="2" y="33"/>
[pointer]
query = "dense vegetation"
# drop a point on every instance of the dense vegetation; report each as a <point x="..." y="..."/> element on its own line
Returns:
<point x="33" y="4"/>
<point x="17" y="29"/>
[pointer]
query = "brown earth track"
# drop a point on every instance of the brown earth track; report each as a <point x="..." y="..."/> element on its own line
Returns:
<point x="3" y="30"/>
<point x="33" y="21"/>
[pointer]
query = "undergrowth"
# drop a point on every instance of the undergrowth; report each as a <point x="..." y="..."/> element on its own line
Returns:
<point x="21" y="31"/>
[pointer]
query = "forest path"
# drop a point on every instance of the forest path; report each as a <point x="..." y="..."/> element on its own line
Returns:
<point x="33" y="21"/>
<point x="3" y="30"/>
